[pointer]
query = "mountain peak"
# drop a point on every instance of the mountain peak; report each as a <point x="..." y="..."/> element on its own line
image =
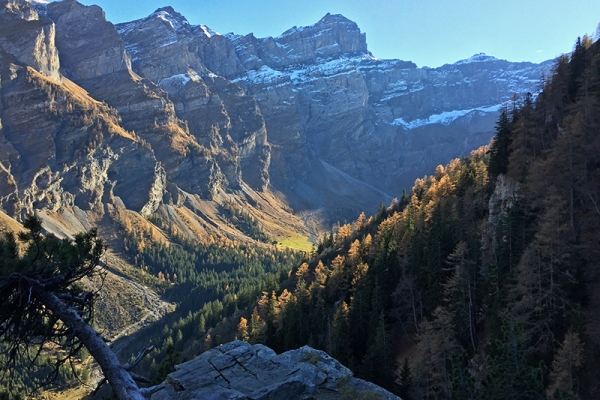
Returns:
<point x="167" y="9"/>
<point x="333" y="35"/>
<point x="481" y="57"/>
<point x="170" y="15"/>
<point x="327" y="21"/>
<point x="334" y="19"/>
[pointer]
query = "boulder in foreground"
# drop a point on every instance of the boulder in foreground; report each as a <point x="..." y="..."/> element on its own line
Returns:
<point x="238" y="370"/>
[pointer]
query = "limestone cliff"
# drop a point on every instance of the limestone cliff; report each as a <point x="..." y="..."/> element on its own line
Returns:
<point x="222" y="117"/>
<point x="28" y="37"/>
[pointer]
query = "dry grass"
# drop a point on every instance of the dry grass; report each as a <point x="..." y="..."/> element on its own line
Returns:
<point x="77" y="393"/>
<point x="7" y="224"/>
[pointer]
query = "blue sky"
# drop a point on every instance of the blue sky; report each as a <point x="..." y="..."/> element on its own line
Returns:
<point x="427" y="32"/>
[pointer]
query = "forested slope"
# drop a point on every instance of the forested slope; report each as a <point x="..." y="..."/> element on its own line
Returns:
<point x="484" y="280"/>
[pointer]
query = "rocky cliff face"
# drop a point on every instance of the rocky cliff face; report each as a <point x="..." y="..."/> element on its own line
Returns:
<point x="238" y="370"/>
<point x="346" y="129"/>
<point x="84" y="136"/>
<point x="384" y="122"/>
<point x="220" y="116"/>
<point x="159" y="113"/>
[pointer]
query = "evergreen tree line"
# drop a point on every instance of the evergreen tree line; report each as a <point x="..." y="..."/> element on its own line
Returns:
<point x="27" y="377"/>
<point x="208" y="282"/>
<point x="244" y="222"/>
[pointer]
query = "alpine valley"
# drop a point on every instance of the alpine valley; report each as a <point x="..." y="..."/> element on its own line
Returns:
<point x="213" y="165"/>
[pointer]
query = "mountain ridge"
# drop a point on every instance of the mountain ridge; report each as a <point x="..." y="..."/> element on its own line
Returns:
<point x="308" y="122"/>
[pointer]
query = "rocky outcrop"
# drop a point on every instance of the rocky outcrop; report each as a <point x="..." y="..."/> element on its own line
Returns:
<point x="504" y="196"/>
<point x="237" y="370"/>
<point x="64" y="149"/>
<point x="332" y="36"/>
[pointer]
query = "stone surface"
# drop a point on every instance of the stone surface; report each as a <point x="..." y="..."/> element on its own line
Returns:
<point x="166" y="49"/>
<point x="82" y="135"/>
<point x="55" y="159"/>
<point x="238" y="370"/>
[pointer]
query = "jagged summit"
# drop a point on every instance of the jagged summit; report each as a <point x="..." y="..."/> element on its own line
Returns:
<point x="169" y="15"/>
<point x="332" y="35"/>
<point x="167" y="9"/>
<point x="328" y="19"/>
<point x="166" y="15"/>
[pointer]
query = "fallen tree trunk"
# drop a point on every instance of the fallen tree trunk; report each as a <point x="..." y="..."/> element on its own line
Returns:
<point x="120" y="380"/>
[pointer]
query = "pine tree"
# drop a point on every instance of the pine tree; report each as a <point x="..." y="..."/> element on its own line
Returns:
<point x="500" y="147"/>
<point x="44" y="302"/>
<point x="242" y="332"/>
<point x="461" y="295"/>
<point x="406" y="381"/>
<point x="341" y="339"/>
<point x="510" y="375"/>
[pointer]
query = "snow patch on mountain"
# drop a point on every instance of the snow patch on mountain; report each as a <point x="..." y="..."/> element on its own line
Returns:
<point x="300" y="74"/>
<point x="481" y="57"/>
<point x="176" y="24"/>
<point x="176" y="80"/>
<point x="263" y="75"/>
<point x="445" y="118"/>
<point x="207" y="31"/>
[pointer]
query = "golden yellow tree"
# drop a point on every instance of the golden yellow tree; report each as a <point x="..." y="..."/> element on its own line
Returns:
<point x="243" y="329"/>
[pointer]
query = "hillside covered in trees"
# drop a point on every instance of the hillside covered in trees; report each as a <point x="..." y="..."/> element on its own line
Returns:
<point x="483" y="282"/>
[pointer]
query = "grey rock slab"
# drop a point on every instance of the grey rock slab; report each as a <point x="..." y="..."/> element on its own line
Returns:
<point x="238" y="370"/>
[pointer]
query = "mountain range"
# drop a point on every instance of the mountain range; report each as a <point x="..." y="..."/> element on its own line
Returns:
<point x="206" y="160"/>
<point x="159" y="116"/>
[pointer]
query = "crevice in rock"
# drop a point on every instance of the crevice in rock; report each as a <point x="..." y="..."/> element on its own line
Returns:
<point x="221" y="374"/>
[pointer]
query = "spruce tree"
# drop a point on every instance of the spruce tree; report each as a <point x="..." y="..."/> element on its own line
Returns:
<point x="406" y="381"/>
<point x="499" y="149"/>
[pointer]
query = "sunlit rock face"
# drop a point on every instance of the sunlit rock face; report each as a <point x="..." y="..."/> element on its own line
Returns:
<point x="311" y="115"/>
<point x="29" y="38"/>
<point x="165" y="48"/>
